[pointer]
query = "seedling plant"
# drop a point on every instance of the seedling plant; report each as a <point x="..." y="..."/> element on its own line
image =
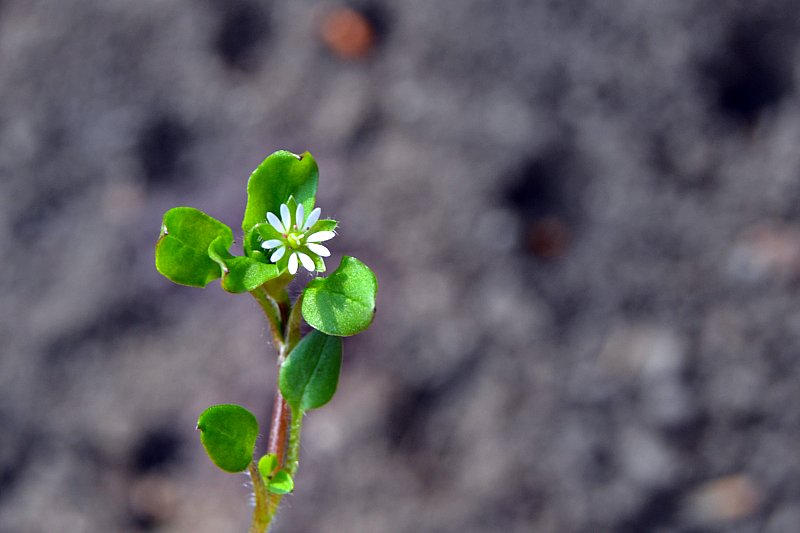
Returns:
<point x="283" y="232"/>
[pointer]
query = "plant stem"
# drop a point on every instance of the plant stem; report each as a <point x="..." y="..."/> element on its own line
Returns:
<point x="292" y="332"/>
<point x="292" y="337"/>
<point x="277" y="430"/>
<point x="272" y="311"/>
<point x="261" y="513"/>
<point x="285" y="329"/>
<point x="293" y="455"/>
<point x="274" y="500"/>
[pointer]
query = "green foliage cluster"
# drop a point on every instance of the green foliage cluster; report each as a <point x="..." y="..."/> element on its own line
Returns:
<point x="194" y="249"/>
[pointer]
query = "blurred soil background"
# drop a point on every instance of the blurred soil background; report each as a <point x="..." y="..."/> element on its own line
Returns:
<point x="583" y="217"/>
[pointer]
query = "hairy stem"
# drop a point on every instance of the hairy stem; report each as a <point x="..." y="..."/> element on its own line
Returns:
<point x="272" y="310"/>
<point x="292" y="332"/>
<point x="273" y="502"/>
<point x="277" y="430"/>
<point x="293" y="454"/>
<point x="280" y="410"/>
<point x="261" y="515"/>
<point x="285" y="328"/>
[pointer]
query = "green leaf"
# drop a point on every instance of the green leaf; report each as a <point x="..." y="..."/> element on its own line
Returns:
<point x="281" y="175"/>
<point x="342" y="304"/>
<point x="252" y="246"/>
<point x="326" y="224"/>
<point x="267" y="465"/>
<point x="266" y="232"/>
<point x="239" y="274"/>
<point x="228" y="433"/>
<point x="291" y="203"/>
<point x="309" y="376"/>
<point x="281" y="483"/>
<point x="182" y="247"/>
<point x="319" y="263"/>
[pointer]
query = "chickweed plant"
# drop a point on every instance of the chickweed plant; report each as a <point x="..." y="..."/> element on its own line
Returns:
<point x="283" y="232"/>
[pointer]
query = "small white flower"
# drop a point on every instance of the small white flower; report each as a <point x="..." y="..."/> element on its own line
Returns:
<point x="299" y="237"/>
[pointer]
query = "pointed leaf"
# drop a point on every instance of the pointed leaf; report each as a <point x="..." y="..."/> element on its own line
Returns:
<point x="240" y="274"/>
<point x="228" y="433"/>
<point x="279" y="176"/>
<point x="326" y="224"/>
<point x="182" y="248"/>
<point x="291" y="203"/>
<point x="309" y="376"/>
<point x="342" y="304"/>
<point x="281" y="483"/>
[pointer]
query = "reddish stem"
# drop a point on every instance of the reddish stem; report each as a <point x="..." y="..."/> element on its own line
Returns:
<point x="278" y="427"/>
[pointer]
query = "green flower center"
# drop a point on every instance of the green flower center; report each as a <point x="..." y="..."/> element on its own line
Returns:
<point x="295" y="239"/>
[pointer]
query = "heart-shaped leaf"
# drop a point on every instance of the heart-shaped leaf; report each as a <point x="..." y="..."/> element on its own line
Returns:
<point x="279" y="176"/>
<point x="342" y="304"/>
<point x="228" y="433"/>
<point x="309" y="376"/>
<point x="182" y="248"/>
<point x="239" y="274"/>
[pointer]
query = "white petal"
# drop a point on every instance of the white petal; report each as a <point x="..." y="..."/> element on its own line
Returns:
<point x="275" y="223"/>
<point x="319" y="249"/>
<point x="321" y="236"/>
<point x="277" y="254"/>
<point x="286" y="217"/>
<point x="298" y="215"/>
<point x="312" y="218"/>
<point x="293" y="263"/>
<point x="307" y="261"/>
<point x="272" y="243"/>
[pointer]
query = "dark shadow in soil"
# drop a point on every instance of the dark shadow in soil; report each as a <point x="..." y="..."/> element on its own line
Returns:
<point x="157" y="450"/>
<point x="160" y="147"/>
<point x="752" y="72"/>
<point x="244" y="28"/>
